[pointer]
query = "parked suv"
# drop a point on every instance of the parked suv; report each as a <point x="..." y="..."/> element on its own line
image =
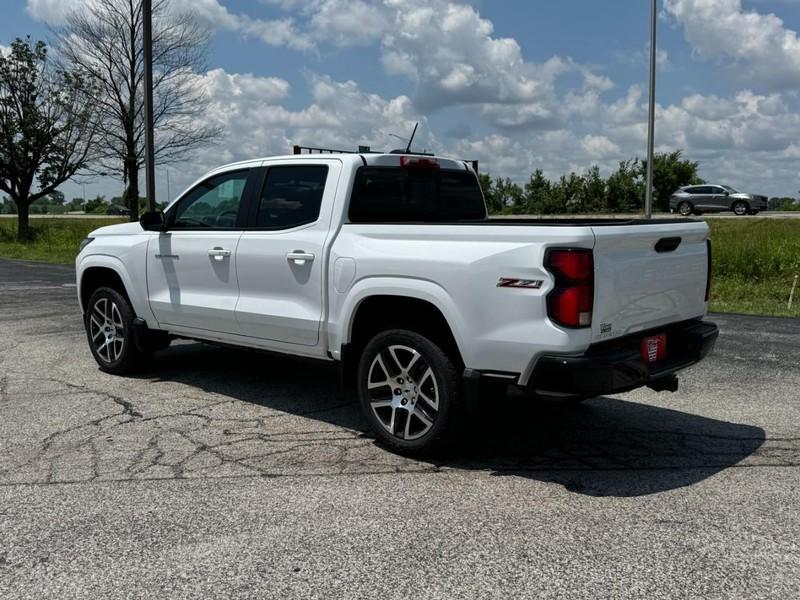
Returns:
<point x="388" y="265"/>
<point x="697" y="199"/>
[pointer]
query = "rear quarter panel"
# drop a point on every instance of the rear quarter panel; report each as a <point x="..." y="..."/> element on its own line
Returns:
<point x="457" y="268"/>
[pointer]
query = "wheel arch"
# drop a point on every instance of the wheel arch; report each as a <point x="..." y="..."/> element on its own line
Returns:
<point x="100" y="269"/>
<point x="410" y="309"/>
<point x="100" y="276"/>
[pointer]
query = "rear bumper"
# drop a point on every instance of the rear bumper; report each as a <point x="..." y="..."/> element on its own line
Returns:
<point x="617" y="366"/>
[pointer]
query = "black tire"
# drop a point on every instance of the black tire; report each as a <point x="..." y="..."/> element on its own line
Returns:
<point x="401" y="390"/>
<point x="685" y="208"/>
<point x="740" y="208"/>
<point x="108" y="321"/>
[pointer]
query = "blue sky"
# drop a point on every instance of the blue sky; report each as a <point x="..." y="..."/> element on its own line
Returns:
<point x="518" y="84"/>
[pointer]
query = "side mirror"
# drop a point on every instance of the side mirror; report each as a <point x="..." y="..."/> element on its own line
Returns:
<point x="152" y="221"/>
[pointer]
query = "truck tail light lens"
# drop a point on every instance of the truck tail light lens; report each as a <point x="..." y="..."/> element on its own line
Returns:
<point x="415" y="162"/>
<point x="570" y="302"/>
<point x="708" y="269"/>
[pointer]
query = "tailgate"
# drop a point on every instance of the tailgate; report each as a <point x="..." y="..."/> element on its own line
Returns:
<point x="644" y="280"/>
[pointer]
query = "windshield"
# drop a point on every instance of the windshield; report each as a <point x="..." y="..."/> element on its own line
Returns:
<point x="730" y="189"/>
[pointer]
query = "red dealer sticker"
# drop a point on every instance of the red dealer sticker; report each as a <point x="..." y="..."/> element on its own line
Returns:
<point x="654" y="348"/>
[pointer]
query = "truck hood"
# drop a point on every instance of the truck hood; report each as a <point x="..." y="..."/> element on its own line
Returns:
<point x="120" y="229"/>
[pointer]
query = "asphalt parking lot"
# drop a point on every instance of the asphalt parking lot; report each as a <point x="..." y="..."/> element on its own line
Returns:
<point x="233" y="474"/>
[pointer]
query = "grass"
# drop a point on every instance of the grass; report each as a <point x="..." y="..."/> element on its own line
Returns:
<point x="755" y="260"/>
<point x="54" y="240"/>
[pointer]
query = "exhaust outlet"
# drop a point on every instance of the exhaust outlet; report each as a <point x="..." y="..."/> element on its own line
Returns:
<point x="664" y="384"/>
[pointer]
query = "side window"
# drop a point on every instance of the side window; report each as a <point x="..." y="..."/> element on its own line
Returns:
<point x="292" y="196"/>
<point x="213" y="204"/>
<point x="700" y="190"/>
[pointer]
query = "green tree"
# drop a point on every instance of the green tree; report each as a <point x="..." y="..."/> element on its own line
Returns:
<point x="593" y="192"/>
<point x="493" y="204"/>
<point x="47" y="127"/>
<point x="539" y="199"/>
<point x="784" y="203"/>
<point x="508" y="195"/>
<point x="75" y="204"/>
<point x="52" y="204"/>
<point x="670" y="171"/>
<point x="96" y="205"/>
<point x="624" y="187"/>
<point x="568" y="192"/>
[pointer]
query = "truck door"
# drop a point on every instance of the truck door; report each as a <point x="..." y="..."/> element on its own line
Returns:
<point x="281" y="255"/>
<point x="191" y="267"/>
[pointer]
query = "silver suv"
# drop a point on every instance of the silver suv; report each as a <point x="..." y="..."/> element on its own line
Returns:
<point x="697" y="199"/>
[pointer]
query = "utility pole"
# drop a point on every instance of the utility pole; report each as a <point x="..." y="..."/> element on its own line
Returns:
<point x="651" y="116"/>
<point x="150" y="168"/>
<point x="169" y="194"/>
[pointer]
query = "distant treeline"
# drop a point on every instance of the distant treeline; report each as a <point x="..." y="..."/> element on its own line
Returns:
<point x="56" y="204"/>
<point x="589" y="192"/>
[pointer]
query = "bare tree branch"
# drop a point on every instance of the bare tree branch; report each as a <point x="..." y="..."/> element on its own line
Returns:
<point x="103" y="40"/>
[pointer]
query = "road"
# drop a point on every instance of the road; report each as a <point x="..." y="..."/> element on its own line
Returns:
<point x="223" y="474"/>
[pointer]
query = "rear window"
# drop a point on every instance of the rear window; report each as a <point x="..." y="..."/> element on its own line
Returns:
<point x="391" y="194"/>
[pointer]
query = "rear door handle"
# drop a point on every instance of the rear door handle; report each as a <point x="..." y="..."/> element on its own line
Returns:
<point x="218" y="253"/>
<point x="299" y="257"/>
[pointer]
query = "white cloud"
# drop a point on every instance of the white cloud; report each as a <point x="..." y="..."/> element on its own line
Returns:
<point x="251" y="112"/>
<point x="556" y="114"/>
<point x="276" y="32"/>
<point x="599" y="146"/>
<point x="758" y="46"/>
<point x="50" y="11"/>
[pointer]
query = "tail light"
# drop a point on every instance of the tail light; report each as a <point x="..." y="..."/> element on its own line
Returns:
<point x="570" y="302"/>
<point x="415" y="162"/>
<point x="708" y="269"/>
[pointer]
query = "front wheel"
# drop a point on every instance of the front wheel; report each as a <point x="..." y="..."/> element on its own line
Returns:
<point x="109" y="328"/>
<point x="740" y="208"/>
<point x="685" y="208"/>
<point x="409" y="391"/>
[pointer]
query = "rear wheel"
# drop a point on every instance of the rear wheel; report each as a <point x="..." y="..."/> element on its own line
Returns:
<point x="740" y="208"/>
<point x="109" y="328"/>
<point x="685" y="208"/>
<point x="409" y="391"/>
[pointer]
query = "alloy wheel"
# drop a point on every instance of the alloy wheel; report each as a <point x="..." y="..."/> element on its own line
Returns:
<point x="403" y="392"/>
<point x="106" y="330"/>
<point x="685" y="208"/>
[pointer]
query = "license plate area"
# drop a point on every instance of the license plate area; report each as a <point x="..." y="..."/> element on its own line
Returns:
<point x="654" y="348"/>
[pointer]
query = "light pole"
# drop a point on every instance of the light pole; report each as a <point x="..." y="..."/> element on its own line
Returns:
<point x="147" y="43"/>
<point x="651" y="116"/>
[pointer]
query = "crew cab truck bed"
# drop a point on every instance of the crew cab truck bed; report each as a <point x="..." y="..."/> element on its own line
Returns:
<point x="388" y="264"/>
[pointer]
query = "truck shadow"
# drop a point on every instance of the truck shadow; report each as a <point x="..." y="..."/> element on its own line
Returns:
<point x="605" y="447"/>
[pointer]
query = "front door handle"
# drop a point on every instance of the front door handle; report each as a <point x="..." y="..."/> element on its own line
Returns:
<point x="218" y="253"/>
<point x="300" y="257"/>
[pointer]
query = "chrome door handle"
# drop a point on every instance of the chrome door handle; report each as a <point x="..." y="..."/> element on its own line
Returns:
<point x="299" y="257"/>
<point x="218" y="253"/>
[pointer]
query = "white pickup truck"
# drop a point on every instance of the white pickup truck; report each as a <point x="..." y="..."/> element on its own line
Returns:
<point x="388" y="264"/>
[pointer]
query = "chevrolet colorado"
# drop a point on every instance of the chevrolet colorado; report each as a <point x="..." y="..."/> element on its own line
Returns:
<point x="388" y="264"/>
